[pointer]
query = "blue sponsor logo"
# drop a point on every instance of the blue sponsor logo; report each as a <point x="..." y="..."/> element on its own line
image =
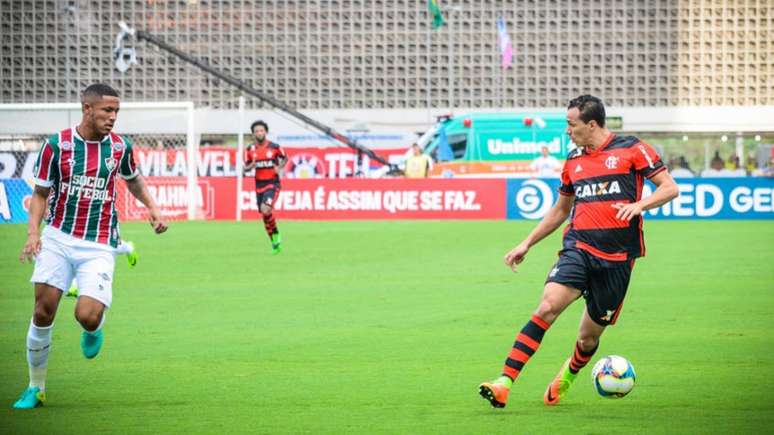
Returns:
<point x="700" y="198"/>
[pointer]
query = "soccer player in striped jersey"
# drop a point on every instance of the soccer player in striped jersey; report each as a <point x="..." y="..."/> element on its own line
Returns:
<point x="75" y="173"/>
<point x="267" y="159"/>
<point x="601" y="192"/>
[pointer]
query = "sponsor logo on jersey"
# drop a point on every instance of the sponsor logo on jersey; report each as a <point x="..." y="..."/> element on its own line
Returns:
<point x="578" y="169"/>
<point x="597" y="189"/>
<point x="87" y="187"/>
<point x="118" y="146"/>
<point x="264" y="164"/>
<point x="66" y="146"/>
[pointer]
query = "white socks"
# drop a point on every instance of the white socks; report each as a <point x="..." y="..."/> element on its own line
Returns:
<point x="38" y="346"/>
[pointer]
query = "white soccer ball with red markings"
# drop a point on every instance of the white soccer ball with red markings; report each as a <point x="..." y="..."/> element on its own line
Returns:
<point x="613" y="376"/>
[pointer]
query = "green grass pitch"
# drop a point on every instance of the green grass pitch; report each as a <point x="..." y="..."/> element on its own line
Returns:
<point x="388" y="327"/>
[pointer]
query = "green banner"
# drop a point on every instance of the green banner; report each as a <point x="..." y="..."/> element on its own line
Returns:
<point x="508" y="145"/>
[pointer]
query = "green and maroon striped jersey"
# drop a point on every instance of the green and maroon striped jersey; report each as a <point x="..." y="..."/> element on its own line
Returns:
<point x="82" y="178"/>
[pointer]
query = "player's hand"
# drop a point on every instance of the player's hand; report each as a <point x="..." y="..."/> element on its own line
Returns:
<point x="516" y="255"/>
<point x="31" y="248"/>
<point x="627" y="211"/>
<point x="158" y="224"/>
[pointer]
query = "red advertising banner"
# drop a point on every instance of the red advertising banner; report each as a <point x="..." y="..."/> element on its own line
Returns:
<point x="386" y="199"/>
<point x="339" y="162"/>
<point x="331" y="199"/>
<point x="171" y="195"/>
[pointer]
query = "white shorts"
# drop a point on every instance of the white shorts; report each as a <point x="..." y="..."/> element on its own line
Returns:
<point x="63" y="257"/>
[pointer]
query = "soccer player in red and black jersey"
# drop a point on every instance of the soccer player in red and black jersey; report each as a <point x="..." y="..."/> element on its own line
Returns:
<point x="268" y="159"/>
<point x="601" y="192"/>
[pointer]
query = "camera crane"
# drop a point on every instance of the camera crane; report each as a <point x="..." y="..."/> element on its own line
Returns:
<point x="125" y="57"/>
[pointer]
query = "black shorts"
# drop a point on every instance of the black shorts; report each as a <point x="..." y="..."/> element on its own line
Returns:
<point x="267" y="194"/>
<point x="602" y="283"/>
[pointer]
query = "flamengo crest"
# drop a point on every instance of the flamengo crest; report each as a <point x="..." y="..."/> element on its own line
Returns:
<point x="611" y="162"/>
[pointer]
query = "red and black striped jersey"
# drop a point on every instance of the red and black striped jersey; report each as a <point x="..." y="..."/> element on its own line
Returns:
<point x="265" y="156"/>
<point x="82" y="178"/>
<point x="598" y="179"/>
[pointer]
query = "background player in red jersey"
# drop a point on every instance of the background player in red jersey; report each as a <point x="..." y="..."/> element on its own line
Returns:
<point x="601" y="191"/>
<point x="268" y="159"/>
<point x="76" y="174"/>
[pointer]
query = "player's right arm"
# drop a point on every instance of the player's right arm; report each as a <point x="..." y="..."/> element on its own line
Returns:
<point x="37" y="208"/>
<point x="249" y="160"/>
<point x="45" y="178"/>
<point x="551" y="221"/>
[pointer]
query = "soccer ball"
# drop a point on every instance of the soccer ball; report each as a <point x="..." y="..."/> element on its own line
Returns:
<point x="613" y="376"/>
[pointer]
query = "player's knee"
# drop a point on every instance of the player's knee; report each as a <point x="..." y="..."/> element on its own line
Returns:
<point x="44" y="314"/>
<point x="548" y="310"/>
<point x="88" y="318"/>
<point x="588" y="343"/>
<point x="266" y="211"/>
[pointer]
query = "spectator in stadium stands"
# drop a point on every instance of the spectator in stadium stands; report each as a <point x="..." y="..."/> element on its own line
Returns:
<point x="678" y="167"/>
<point x="716" y="166"/>
<point x="418" y="165"/>
<point x="751" y="163"/>
<point x="717" y="162"/>
<point x="732" y="163"/>
<point x="546" y="165"/>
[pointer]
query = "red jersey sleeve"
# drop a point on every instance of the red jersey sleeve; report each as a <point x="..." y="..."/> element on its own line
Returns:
<point x="646" y="160"/>
<point x="249" y="155"/>
<point x="281" y="153"/>
<point x="566" y="187"/>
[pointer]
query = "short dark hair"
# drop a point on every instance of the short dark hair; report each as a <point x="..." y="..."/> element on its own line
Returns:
<point x="259" y="122"/>
<point x="99" y="90"/>
<point x="590" y="107"/>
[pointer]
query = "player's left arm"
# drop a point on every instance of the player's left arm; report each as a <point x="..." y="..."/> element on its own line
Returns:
<point x="648" y="163"/>
<point x="129" y="171"/>
<point x="140" y="191"/>
<point x="282" y="160"/>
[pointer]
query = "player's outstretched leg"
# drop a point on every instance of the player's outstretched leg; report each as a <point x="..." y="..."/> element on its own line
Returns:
<point x="526" y="344"/>
<point x="130" y="251"/>
<point x="558" y="388"/>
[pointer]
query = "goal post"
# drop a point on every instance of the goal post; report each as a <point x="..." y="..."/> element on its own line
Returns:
<point x="155" y="129"/>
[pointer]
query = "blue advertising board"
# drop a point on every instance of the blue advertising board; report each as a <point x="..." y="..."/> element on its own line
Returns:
<point x="15" y="195"/>
<point x="700" y="198"/>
